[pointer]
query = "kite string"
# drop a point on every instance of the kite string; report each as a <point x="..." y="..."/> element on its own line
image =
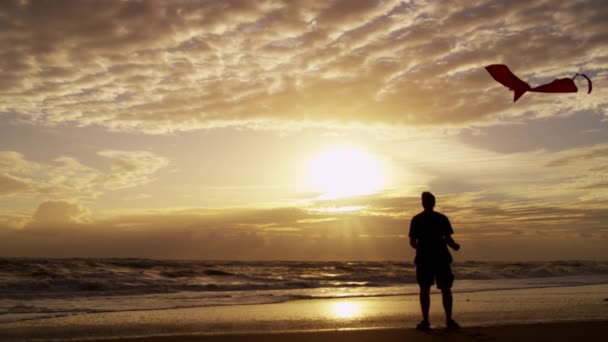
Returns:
<point x="580" y="69"/>
<point x="578" y="73"/>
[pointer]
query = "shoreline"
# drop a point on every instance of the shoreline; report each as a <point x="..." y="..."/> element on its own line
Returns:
<point x="434" y="290"/>
<point x="549" y="331"/>
<point x="483" y="310"/>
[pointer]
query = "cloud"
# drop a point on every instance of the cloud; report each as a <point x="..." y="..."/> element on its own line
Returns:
<point x="13" y="220"/>
<point x="157" y="66"/>
<point x="581" y="155"/>
<point x="489" y="228"/>
<point x="67" y="178"/>
<point x="131" y="168"/>
<point x="57" y="213"/>
<point x="11" y="185"/>
<point x="549" y="134"/>
<point x="11" y="161"/>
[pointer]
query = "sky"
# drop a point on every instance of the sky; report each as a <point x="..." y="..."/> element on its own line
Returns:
<point x="300" y="130"/>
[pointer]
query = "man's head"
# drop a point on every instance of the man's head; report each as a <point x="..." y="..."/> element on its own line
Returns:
<point x="428" y="200"/>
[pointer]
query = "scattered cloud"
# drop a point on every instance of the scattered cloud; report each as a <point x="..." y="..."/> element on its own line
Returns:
<point x="131" y="168"/>
<point x="10" y="185"/>
<point x="530" y="176"/>
<point x="319" y="231"/>
<point x="582" y="156"/>
<point x="67" y="178"/>
<point x="158" y="66"/>
<point x="11" y="161"/>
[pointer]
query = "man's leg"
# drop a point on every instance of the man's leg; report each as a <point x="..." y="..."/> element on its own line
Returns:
<point x="425" y="301"/>
<point x="446" y="296"/>
<point x="425" y="278"/>
<point x="445" y="279"/>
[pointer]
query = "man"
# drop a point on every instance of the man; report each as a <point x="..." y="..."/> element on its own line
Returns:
<point x="430" y="235"/>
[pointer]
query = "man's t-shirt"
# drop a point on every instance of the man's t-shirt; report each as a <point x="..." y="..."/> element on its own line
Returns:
<point x="430" y="229"/>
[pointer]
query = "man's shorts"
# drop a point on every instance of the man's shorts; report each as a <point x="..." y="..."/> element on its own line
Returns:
<point x="428" y="272"/>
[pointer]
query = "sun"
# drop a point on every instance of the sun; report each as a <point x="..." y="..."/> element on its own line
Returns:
<point x="343" y="172"/>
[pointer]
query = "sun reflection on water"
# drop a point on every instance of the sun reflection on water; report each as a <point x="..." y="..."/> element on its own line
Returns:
<point x="345" y="309"/>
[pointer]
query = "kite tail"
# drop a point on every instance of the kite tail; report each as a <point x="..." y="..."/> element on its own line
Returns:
<point x="589" y="84"/>
<point x="519" y="91"/>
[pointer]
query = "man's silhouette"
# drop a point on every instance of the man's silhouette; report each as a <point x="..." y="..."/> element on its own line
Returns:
<point x="431" y="234"/>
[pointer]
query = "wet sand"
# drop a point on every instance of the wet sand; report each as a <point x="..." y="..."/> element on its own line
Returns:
<point x="547" y="314"/>
<point x="550" y="332"/>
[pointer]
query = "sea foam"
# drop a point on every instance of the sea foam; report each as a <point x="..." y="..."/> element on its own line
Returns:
<point x="37" y="288"/>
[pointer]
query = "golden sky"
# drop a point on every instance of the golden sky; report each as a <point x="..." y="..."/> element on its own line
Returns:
<point x="300" y="130"/>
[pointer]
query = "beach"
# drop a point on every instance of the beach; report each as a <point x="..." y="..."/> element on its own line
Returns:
<point x="301" y="170"/>
<point x="554" y="313"/>
<point x="553" y="332"/>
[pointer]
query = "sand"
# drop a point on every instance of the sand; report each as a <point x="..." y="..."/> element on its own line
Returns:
<point x="539" y="314"/>
<point x="553" y="332"/>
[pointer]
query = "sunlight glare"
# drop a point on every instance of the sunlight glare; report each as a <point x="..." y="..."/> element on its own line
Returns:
<point x="346" y="209"/>
<point x="343" y="172"/>
<point x="345" y="309"/>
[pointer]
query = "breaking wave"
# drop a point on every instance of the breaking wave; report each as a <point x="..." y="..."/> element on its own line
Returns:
<point x="36" y="288"/>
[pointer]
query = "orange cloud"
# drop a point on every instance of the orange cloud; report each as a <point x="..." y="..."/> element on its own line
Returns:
<point x="57" y="213"/>
<point x="376" y="232"/>
<point x="235" y="63"/>
<point x="11" y="185"/>
<point x="131" y="168"/>
<point x="66" y="177"/>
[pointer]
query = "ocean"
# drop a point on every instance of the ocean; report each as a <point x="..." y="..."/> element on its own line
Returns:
<point x="42" y="288"/>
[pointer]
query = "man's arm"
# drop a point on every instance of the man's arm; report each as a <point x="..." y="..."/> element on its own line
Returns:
<point x="448" y="239"/>
<point x="412" y="234"/>
<point x="447" y="234"/>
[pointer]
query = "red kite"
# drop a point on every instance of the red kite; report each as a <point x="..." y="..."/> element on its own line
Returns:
<point x="504" y="76"/>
